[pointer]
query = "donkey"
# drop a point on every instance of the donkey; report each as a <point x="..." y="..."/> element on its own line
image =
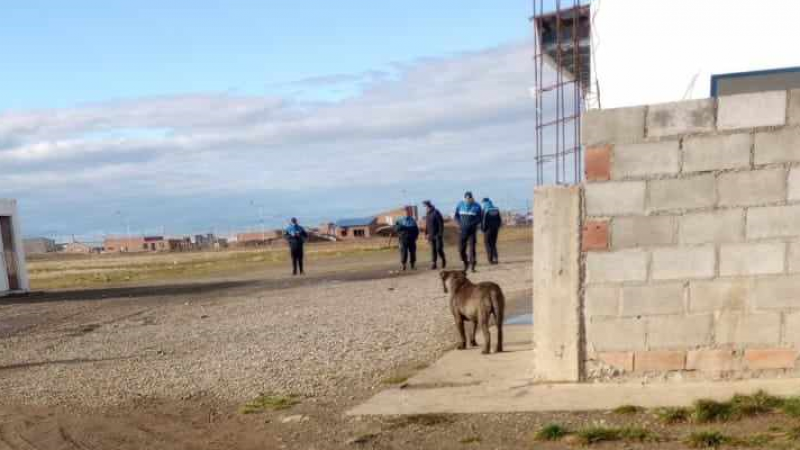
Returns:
<point x="475" y="303"/>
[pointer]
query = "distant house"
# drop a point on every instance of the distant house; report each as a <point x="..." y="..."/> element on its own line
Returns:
<point x="138" y="244"/>
<point x="80" y="247"/>
<point x="37" y="245"/>
<point x="257" y="238"/>
<point x="390" y="217"/>
<point x="356" y="228"/>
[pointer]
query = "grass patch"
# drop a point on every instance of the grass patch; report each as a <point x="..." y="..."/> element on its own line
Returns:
<point x="706" y="439"/>
<point x="708" y="411"/>
<point x="671" y="416"/>
<point x="267" y="402"/>
<point x="790" y="406"/>
<point x="397" y="379"/>
<point x="628" y="410"/>
<point x="757" y="440"/>
<point x="753" y="405"/>
<point x="793" y="434"/>
<point x="470" y="440"/>
<point x="595" y="435"/>
<point x="551" y="432"/>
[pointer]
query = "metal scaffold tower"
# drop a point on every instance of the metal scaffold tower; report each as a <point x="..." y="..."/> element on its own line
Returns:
<point x="562" y="62"/>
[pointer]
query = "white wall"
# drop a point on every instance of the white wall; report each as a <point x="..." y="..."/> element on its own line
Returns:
<point x="648" y="51"/>
<point x="9" y="208"/>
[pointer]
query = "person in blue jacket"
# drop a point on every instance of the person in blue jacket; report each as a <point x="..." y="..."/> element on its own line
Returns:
<point x="296" y="236"/>
<point x="407" y="233"/>
<point x="490" y="225"/>
<point x="469" y="217"/>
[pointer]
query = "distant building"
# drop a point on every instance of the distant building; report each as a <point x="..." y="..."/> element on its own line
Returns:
<point x="357" y="228"/>
<point x="139" y="244"/>
<point x="250" y="239"/>
<point x="81" y="247"/>
<point x="209" y="242"/>
<point x="13" y="272"/>
<point x="38" y="245"/>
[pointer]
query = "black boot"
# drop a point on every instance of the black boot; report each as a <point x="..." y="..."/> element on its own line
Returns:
<point x="433" y="266"/>
<point x="404" y="267"/>
<point x="473" y="268"/>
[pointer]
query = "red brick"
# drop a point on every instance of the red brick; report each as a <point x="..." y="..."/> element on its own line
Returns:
<point x="770" y="358"/>
<point x="597" y="163"/>
<point x="659" y="361"/>
<point x="619" y="360"/>
<point x="595" y="236"/>
<point x="711" y="360"/>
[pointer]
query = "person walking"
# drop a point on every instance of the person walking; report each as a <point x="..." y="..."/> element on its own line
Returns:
<point x="296" y="236"/>
<point x="434" y="231"/>
<point x="407" y="233"/>
<point x="468" y="215"/>
<point x="490" y="225"/>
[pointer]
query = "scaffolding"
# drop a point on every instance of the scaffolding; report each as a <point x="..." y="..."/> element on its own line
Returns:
<point x="562" y="62"/>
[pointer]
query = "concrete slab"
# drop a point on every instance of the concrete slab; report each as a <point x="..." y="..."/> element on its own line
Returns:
<point x="468" y="382"/>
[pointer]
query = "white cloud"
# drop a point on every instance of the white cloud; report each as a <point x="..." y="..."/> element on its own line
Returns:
<point x="465" y="117"/>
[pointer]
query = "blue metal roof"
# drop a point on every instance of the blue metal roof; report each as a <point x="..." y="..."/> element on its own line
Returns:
<point x="355" y="222"/>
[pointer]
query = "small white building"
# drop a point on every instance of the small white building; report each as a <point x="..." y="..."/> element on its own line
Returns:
<point x="13" y="273"/>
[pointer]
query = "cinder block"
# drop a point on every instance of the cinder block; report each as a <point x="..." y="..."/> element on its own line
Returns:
<point x="703" y="153"/>
<point x="712" y="227"/>
<point x="615" y="198"/>
<point x="719" y="295"/>
<point x="637" y="231"/>
<point x="618" y="360"/>
<point x="761" y="109"/>
<point x="686" y="117"/>
<point x="602" y="301"/>
<point x="613" y="267"/>
<point x="659" y="361"/>
<point x="794" y="257"/>
<point x="739" y="328"/>
<point x="597" y="163"/>
<point x="683" y="262"/>
<point x="616" y="334"/>
<point x="752" y="187"/>
<point x="777" y="292"/>
<point x="679" y="194"/>
<point x="679" y="331"/>
<point x="653" y="299"/>
<point x="711" y="360"/>
<point x="794" y="184"/>
<point x="647" y="159"/>
<point x="779" y="146"/>
<point x="791" y="330"/>
<point x="752" y="259"/>
<point x="776" y="358"/>
<point x="594" y="235"/>
<point x="773" y="222"/>
<point x="794" y="107"/>
<point x="612" y="126"/>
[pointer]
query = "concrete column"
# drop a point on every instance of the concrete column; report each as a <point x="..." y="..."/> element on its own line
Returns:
<point x="556" y="283"/>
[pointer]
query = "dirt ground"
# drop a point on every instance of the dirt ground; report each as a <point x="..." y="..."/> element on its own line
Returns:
<point x="54" y="373"/>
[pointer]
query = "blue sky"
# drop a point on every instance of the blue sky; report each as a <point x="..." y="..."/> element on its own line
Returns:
<point x="181" y="114"/>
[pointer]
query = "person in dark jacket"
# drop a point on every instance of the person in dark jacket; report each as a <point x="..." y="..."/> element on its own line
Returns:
<point x="490" y="225"/>
<point x="296" y="236"/>
<point x="434" y="231"/>
<point x="469" y="216"/>
<point x="407" y="233"/>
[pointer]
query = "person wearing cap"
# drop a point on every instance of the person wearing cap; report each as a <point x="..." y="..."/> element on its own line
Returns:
<point x="468" y="215"/>
<point x="490" y="225"/>
<point x="407" y="233"/>
<point x="296" y="236"/>
<point x="434" y="231"/>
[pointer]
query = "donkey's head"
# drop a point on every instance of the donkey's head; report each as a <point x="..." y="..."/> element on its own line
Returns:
<point x="454" y="277"/>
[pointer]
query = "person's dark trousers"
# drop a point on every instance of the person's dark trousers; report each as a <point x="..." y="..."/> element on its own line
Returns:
<point x="408" y="252"/>
<point x="490" y="241"/>
<point x="468" y="239"/>
<point x="437" y="251"/>
<point x="297" y="258"/>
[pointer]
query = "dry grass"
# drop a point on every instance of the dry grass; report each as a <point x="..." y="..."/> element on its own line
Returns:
<point x="58" y="271"/>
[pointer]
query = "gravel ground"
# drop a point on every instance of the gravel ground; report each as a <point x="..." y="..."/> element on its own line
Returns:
<point x="329" y="339"/>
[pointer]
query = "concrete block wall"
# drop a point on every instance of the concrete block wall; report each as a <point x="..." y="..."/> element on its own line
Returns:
<point x="690" y="246"/>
